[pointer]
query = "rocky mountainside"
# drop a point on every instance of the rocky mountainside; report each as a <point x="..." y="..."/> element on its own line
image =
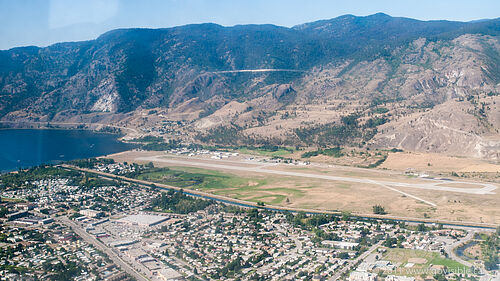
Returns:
<point x="375" y="81"/>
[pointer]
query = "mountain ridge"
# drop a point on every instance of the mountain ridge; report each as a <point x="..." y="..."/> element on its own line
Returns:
<point x="350" y="67"/>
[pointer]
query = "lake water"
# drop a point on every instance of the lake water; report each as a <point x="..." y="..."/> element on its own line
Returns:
<point x="27" y="148"/>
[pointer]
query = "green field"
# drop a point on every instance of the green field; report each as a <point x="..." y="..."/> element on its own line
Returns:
<point x="281" y="152"/>
<point x="246" y="188"/>
<point x="397" y="255"/>
<point x="194" y="177"/>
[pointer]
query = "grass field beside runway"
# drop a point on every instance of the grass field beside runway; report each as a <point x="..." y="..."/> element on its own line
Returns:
<point x="255" y="189"/>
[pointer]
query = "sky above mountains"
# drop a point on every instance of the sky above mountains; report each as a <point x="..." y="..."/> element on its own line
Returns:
<point x="44" y="22"/>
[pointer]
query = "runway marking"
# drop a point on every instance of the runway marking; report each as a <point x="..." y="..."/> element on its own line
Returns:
<point x="406" y="194"/>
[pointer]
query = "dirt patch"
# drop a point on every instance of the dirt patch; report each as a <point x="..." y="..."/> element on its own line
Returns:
<point x="481" y="168"/>
<point x="417" y="260"/>
<point x="432" y="162"/>
<point x="474" y="252"/>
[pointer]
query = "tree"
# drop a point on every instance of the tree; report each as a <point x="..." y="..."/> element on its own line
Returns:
<point x="439" y="277"/>
<point x="379" y="210"/>
<point x="345" y="215"/>
<point x="3" y="212"/>
<point x="344" y="255"/>
<point x="390" y="242"/>
<point x="421" y="227"/>
<point x="178" y="202"/>
<point x="490" y="252"/>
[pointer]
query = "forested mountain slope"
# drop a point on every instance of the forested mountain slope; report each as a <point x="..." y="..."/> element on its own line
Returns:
<point x="370" y="81"/>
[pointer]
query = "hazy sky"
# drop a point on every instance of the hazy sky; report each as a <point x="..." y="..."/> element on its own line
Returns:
<point x="43" y="22"/>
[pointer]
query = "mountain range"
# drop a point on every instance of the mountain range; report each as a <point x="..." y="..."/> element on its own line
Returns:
<point x="375" y="81"/>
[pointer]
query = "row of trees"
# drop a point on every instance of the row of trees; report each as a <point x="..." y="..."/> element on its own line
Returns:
<point x="490" y="249"/>
<point x="178" y="202"/>
<point x="17" y="180"/>
<point x="89" y="163"/>
<point x="335" y="152"/>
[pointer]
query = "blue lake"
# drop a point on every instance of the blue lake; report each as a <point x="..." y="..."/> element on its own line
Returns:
<point x="27" y="148"/>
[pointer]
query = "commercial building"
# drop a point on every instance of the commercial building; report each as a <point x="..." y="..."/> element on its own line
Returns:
<point x="143" y="220"/>
<point x="340" y="244"/>
<point x="123" y="243"/>
<point x="91" y="213"/>
<point x="47" y="221"/>
<point x="17" y="215"/>
<point x="168" y="274"/>
<point x="362" y="276"/>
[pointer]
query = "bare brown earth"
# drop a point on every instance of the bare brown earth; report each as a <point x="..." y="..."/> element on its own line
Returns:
<point x="474" y="252"/>
<point x="320" y="194"/>
<point x="434" y="162"/>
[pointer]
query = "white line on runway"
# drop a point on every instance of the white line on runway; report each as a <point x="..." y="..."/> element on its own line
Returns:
<point x="406" y="194"/>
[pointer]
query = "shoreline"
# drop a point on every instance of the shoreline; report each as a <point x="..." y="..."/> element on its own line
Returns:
<point x="60" y="129"/>
<point x="71" y="144"/>
<point x="95" y="127"/>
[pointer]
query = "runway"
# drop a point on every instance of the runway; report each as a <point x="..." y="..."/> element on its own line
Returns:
<point x="430" y="184"/>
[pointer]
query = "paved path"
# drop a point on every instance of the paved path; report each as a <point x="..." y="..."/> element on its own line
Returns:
<point x="450" y="249"/>
<point x="298" y="247"/>
<point x="429" y="184"/>
<point x="257" y="70"/>
<point x="191" y="267"/>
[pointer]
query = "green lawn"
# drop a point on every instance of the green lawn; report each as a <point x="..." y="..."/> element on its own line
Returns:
<point x="225" y="184"/>
<point x="271" y="199"/>
<point x="397" y="255"/>
<point x="257" y="151"/>
<point x="199" y="178"/>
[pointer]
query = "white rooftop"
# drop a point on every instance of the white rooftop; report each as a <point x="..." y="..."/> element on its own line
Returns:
<point x="143" y="220"/>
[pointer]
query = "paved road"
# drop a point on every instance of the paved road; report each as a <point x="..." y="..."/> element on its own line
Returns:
<point x="298" y="247"/>
<point x="429" y="184"/>
<point x="257" y="70"/>
<point x="112" y="255"/>
<point x="452" y="254"/>
<point x="450" y="249"/>
<point x="188" y="266"/>
<point x="350" y="263"/>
